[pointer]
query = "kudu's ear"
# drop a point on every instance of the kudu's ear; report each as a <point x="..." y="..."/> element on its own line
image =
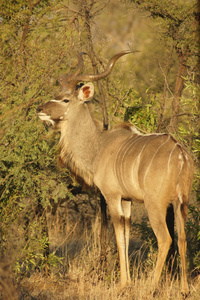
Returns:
<point x="86" y="92"/>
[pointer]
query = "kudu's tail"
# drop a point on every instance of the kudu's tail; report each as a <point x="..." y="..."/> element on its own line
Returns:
<point x="170" y="226"/>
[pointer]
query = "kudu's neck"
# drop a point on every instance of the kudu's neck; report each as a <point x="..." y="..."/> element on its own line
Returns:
<point x="79" y="143"/>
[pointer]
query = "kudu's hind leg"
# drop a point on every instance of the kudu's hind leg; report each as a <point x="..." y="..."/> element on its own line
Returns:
<point x="180" y="214"/>
<point x="120" y="213"/>
<point x="157" y="217"/>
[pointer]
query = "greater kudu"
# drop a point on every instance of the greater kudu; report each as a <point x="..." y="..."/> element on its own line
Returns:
<point x="125" y="165"/>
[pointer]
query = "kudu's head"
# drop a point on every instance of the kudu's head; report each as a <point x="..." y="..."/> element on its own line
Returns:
<point x="73" y="94"/>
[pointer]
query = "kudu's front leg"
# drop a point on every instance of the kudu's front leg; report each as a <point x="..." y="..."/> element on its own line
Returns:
<point x="120" y="211"/>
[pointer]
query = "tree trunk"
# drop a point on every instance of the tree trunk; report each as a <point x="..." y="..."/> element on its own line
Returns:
<point x="93" y="56"/>
<point x="178" y="89"/>
<point x="165" y="88"/>
<point x="86" y="37"/>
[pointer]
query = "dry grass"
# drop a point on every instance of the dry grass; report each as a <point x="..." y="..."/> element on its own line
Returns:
<point x="84" y="276"/>
<point x="81" y="285"/>
<point x="7" y="289"/>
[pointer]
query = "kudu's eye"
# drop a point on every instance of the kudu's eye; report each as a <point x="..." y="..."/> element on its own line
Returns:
<point x="66" y="100"/>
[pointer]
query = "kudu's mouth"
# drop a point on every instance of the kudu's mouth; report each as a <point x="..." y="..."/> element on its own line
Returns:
<point x="44" y="117"/>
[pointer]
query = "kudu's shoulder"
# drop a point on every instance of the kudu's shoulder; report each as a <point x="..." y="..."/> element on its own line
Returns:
<point x="118" y="134"/>
<point x="112" y="139"/>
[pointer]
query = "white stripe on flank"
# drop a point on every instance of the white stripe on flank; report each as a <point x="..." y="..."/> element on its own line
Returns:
<point x="181" y="161"/>
<point x="168" y="165"/>
<point x="135" y="168"/>
<point x="116" y="157"/>
<point x="122" y="159"/>
<point x="153" y="159"/>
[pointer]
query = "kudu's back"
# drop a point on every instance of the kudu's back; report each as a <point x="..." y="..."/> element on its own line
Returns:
<point x="143" y="166"/>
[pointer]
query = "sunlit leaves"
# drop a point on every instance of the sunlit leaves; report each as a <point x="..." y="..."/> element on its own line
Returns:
<point x="29" y="178"/>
